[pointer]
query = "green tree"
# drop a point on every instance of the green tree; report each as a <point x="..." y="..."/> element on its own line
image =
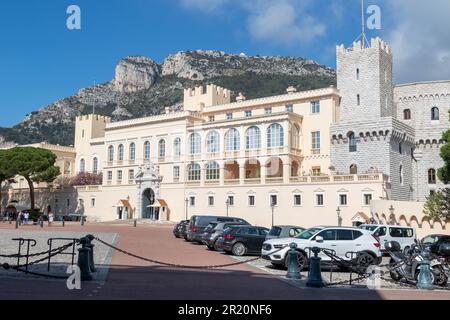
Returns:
<point x="437" y="206"/>
<point x="35" y="165"/>
<point x="444" y="172"/>
<point x="5" y="175"/>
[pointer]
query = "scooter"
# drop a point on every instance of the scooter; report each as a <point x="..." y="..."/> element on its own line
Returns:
<point x="407" y="265"/>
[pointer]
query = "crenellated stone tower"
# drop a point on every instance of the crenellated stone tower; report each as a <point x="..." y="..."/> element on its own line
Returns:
<point x="367" y="137"/>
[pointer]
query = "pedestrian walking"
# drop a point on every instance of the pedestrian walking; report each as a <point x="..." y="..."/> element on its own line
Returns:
<point x="51" y="217"/>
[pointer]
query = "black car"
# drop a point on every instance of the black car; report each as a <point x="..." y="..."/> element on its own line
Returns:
<point x="242" y="240"/>
<point x="214" y="230"/>
<point x="198" y="224"/>
<point x="177" y="231"/>
<point x="434" y="242"/>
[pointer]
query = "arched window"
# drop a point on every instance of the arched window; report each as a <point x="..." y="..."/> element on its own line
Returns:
<point x="82" y="165"/>
<point x="400" y="148"/>
<point x="432" y="176"/>
<point x="162" y="148"/>
<point x="435" y="113"/>
<point x="147" y="150"/>
<point x="177" y="147"/>
<point x="213" y="142"/>
<point x="275" y="136"/>
<point x="253" y="138"/>
<point x="352" y="144"/>
<point x="121" y="151"/>
<point x="401" y="175"/>
<point x="132" y="151"/>
<point x="353" y="169"/>
<point x="194" y="172"/>
<point x="95" y="165"/>
<point x="232" y="138"/>
<point x="212" y="171"/>
<point x="110" y="154"/>
<point x="195" y="143"/>
<point x="407" y="114"/>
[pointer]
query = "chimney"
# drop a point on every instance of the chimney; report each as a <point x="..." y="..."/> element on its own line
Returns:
<point x="240" y="97"/>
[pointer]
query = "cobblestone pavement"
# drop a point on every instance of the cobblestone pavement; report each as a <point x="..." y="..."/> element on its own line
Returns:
<point x="59" y="263"/>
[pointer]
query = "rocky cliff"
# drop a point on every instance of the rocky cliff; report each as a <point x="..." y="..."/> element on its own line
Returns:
<point x="142" y="87"/>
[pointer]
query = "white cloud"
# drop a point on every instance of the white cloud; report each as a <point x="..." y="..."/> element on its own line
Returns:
<point x="204" y="5"/>
<point x="284" y="22"/>
<point x="419" y="36"/>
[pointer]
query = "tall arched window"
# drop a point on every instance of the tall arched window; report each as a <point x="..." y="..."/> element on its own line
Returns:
<point x="132" y="151"/>
<point x="435" y="113"/>
<point x="82" y="165"/>
<point x="213" y="142"/>
<point x="407" y="114"/>
<point x="194" y="172"/>
<point x="162" y="148"/>
<point x="275" y="136"/>
<point x="352" y="144"/>
<point x="110" y="154"/>
<point x="432" y="176"/>
<point x="95" y="165"/>
<point x="147" y="150"/>
<point x="121" y="151"/>
<point x="195" y="143"/>
<point x="232" y="138"/>
<point x="295" y="136"/>
<point x="253" y="138"/>
<point x="212" y="171"/>
<point x="177" y="147"/>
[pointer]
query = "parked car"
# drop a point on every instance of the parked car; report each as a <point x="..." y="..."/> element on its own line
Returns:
<point x="197" y="225"/>
<point x="435" y="241"/>
<point x="284" y="232"/>
<point x="214" y="230"/>
<point x="242" y="240"/>
<point x="405" y="236"/>
<point x="178" y="227"/>
<point x="339" y="239"/>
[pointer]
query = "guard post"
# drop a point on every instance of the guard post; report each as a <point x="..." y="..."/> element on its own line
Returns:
<point x="315" y="275"/>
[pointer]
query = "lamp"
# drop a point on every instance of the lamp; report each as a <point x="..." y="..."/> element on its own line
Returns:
<point x="227" y="203"/>
<point x="272" y="206"/>
<point x="186" y="209"/>
<point x="338" y="211"/>
<point x="391" y="216"/>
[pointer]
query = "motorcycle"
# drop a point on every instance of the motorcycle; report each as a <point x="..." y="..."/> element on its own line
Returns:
<point x="407" y="265"/>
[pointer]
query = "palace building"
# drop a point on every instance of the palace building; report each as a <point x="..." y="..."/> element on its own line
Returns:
<point x="308" y="158"/>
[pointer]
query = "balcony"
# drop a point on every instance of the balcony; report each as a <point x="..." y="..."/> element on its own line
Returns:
<point x="212" y="182"/>
<point x="193" y="183"/>
<point x="252" y="181"/>
<point x="274" y="180"/>
<point x="320" y="179"/>
<point x="232" y="182"/>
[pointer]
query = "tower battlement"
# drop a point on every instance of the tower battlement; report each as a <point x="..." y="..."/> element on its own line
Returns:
<point x="93" y="117"/>
<point x="375" y="43"/>
<point x="205" y="96"/>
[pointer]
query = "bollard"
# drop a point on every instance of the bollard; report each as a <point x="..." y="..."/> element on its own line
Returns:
<point x="82" y="220"/>
<point x="91" y="246"/>
<point x="293" y="271"/>
<point x="64" y="222"/>
<point x="41" y="222"/>
<point x="135" y="223"/>
<point x="315" y="274"/>
<point x="425" y="280"/>
<point x="83" y="260"/>
<point x="17" y="223"/>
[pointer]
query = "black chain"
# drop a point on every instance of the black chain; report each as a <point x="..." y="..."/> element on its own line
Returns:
<point x="13" y="256"/>
<point x="177" y="265"/>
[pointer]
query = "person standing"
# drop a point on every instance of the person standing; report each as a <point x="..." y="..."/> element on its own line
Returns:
<point x="50" y="218"/>
<point x="26" y="217"/>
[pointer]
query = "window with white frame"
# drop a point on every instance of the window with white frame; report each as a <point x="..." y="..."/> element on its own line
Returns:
<point x="251" y="201"/>
<point x="195" y="143"/>
<point x="119" y="175"/>
<point x="248" y="113"/>
<point x="268" y="110"/>
<point x="162" y="148"/>
<point x="253" y="138"/>
<point x="147" y="150"/>
<point x="211" y="118"/>
<point x="297" y="200"/>
<point x="315" y="139"/>
<point x="177" y="147"/>
<point x="192" y="201"/>
<point x="367" y="199"/>
<point x="211" y="201"/>
<point x="131" y="175"/>
<point x="132" y="151"/>
<point x="121" y="151"/>
<point x="109" y="175"/>
<point x="194" y="172"/>
<point x="290" y="108"/>
<point x="95" y="165"/>
<point x="343" y="199"/>
<point x="315" y="107"/>
<point x="176" y="172"/>
<point x="232" y="139"/>
<point x="229" y="116"/>
<point x="230" y="201"/>
<point x="82" y="165"/>
<point x="273" y="200"/>
<point x="275" y="136"/>
<point x="319" y="199"/>
<point x="93" y="203"/>
<point x="110" y="153"/>
<point x="212" y="171"/>
<point x="213" y="142"/>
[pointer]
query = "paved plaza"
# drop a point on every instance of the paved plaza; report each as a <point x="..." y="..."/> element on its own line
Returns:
<point x="125" y="277"/>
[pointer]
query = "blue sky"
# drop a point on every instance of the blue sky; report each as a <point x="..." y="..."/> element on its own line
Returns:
<point x="42" y="61"/>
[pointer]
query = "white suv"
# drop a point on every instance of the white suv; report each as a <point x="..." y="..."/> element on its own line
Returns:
<point x="340" y="239"/>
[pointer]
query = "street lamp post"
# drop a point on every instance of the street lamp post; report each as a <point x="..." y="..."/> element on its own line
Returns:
<point x="272" y="205"/>
<point x="227" y="203"/>
<point x="391" y="216"/>
<point x="338" y="211"/>
<point x="186" y="208"/>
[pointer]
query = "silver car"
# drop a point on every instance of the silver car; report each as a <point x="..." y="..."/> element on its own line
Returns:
<point x="284" y="232"/>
